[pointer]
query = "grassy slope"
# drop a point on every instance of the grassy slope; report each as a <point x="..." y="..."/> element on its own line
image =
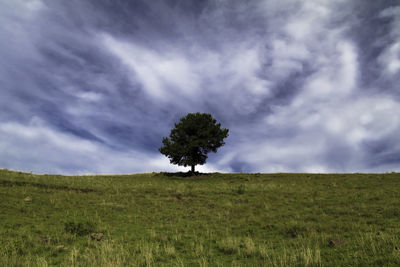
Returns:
<point x="210" y="220"/>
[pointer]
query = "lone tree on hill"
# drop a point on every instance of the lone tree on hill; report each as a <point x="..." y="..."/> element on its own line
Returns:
<point x="193" y="137"/>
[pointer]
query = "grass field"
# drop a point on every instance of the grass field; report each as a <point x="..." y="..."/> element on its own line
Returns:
<point x="217" y="219"/>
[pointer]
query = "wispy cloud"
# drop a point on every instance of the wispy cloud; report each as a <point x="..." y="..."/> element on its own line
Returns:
<point x="91" y="87"/>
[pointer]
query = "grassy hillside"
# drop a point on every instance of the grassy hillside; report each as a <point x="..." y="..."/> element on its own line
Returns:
<point x="208" y="220"/>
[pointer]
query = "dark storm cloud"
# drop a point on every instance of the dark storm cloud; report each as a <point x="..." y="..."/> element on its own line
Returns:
<point x="93" y="86"/>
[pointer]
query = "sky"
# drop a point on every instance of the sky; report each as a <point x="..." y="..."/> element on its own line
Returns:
<point x="92" y="86"/>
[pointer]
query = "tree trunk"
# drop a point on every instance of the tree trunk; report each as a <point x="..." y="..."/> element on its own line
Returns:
<point x="193" y="168"/>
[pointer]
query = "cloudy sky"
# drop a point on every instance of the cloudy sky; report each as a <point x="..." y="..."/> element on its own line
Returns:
<point x="92" y="86"/>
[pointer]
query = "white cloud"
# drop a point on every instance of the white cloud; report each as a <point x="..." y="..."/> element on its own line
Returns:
<point x="244" y="63"/>
<point x="230" y="59"/>
<point x="317" y="126"/>
<point x="389" y="59"/>
<point x="39" y="148"/>
<point x="186" y="76"/>
<point x="90" y="96"/>
<point x="162" y="73"/>
<point x="325" y="116"/>
<point x="309" y="21"/>
<point x="390" y="12"/>
<point x="336" y="79"/>
<point x="28" y="8"/>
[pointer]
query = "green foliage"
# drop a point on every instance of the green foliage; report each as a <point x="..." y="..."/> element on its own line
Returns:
<point x="164" y="220"/>
<point x="192" y="139"/>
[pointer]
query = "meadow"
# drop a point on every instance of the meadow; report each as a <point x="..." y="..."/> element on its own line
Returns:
<point x="166" y="219"/>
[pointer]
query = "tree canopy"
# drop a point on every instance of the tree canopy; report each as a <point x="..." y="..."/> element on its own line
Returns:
<point x="193" y="137"/>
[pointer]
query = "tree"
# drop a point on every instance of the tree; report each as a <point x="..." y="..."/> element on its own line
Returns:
<point x="193" y="137"/>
